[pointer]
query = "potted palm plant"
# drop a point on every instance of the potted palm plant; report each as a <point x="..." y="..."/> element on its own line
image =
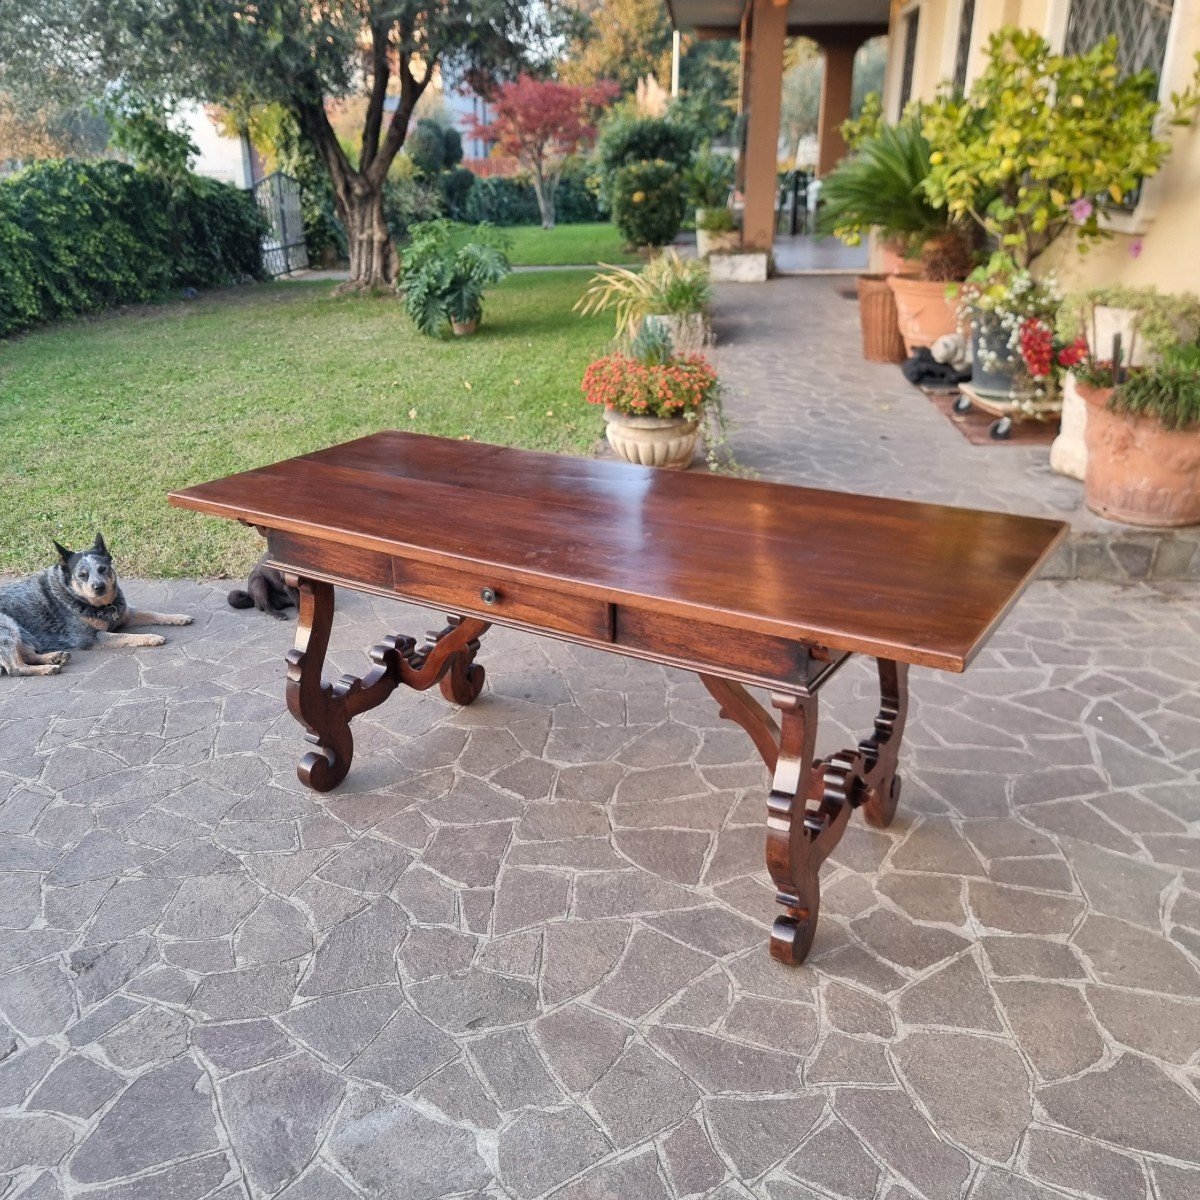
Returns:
<point x="881" y="186"/>
<point x="656" y="402"/>
<point x="446" y="269"/>
<point x="709" y="180"/>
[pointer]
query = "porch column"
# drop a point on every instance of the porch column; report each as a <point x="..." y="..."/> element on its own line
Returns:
<point x="767" y="32"/>
<point x="837" y="82"/>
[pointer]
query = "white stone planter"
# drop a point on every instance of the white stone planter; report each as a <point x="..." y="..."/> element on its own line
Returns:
<point x="750" y="267"/>
<point x="1068" y="452"/>
<point x="668" y="442"/>
<point x="690" y="332"/>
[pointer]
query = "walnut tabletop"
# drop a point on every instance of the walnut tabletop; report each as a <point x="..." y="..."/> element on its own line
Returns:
<point x="743" y="582"/>
<point x="920" y="583"/>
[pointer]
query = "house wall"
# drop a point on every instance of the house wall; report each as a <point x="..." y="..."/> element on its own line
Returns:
<point x="1157" y="245"/>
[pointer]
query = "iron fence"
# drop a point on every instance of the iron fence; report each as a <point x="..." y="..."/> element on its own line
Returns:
<point x="283" y="249"/>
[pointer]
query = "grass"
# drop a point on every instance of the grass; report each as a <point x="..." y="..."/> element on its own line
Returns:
<point x="100" y="418"/>
<point x="566" y="245"/>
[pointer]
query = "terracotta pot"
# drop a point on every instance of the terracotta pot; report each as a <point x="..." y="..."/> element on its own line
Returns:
<point x="464" y="328"/>
<point x="668" y="442"/>
<point x="1138" y="472"/>
<point x="925" y="309"/>
<point x="881" y="338"/>
<point x="893" y="262"/>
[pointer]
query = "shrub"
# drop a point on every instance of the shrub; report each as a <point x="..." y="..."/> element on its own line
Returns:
<point x="510" y="200"/>
<point x="647" y="202"/>
<point x="710" y="179"/>
<point x="626" y="140"/>
<point x="433" y="147"/>
<point x="667" y="284"/>
<point x="445" y="271"/>
<point x="455" y="187"/>
<point x="1168" y="391"/>
<point x="408" y="203"/>
<point x="81" y="237"/>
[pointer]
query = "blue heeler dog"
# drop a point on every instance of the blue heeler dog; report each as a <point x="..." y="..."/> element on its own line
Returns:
<point x="73" y="605"/>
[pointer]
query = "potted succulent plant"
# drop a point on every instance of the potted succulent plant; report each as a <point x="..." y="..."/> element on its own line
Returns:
<point x="880" y="186"/>
<point x="445" y="271"/>
<point x="656" y="402"/>
<point x="674" y="290"/>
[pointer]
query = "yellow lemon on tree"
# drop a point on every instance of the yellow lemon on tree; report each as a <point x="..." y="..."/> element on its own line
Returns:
<point x="638" y="197"/>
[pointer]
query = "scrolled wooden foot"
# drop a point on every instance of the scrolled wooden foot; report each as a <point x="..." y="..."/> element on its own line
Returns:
<point x="464" y="680"/>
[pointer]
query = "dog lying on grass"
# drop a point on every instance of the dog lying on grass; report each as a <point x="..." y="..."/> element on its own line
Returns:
<point x="74" y="605"/>
<point x="266" y="590"/>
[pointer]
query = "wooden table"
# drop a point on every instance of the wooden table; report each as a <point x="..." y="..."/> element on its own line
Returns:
<point x="742" y="582"/>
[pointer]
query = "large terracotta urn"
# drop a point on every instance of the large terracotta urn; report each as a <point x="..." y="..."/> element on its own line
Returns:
<point x="1138" y="472"/>
<point x="925" y="309"/>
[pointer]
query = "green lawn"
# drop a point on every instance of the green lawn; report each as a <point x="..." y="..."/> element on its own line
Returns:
<point x="99" y="419"/>
<point x="566" y="245"/>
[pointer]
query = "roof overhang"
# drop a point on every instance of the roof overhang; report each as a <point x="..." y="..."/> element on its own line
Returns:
<point x="808" y="18"/>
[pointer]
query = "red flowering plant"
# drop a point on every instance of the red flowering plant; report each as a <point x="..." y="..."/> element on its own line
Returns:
<point x="645" y="377"/>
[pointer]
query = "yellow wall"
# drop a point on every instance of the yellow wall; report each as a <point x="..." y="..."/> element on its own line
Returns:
<point x="1166" y="227"/>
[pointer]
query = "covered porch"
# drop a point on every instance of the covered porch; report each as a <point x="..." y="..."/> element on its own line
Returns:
<point x="761" y="28"/>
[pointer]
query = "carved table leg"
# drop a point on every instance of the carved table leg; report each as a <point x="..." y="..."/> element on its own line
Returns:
<point x="811" y="800"/>
<point x="325" y="710"/>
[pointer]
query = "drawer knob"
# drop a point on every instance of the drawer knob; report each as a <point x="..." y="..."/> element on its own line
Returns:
<point x="489" y="595"/>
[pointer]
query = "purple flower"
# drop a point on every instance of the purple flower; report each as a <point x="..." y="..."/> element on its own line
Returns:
<point x="1135" y="248"/>
<point x="1082" y="208"/>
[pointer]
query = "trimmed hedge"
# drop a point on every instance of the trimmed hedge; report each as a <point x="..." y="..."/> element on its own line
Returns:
<point x="510" y="200"/>
<point x="82" y="237"/>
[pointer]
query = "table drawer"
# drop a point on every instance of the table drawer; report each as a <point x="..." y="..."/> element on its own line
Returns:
<point x="483" y="595"/>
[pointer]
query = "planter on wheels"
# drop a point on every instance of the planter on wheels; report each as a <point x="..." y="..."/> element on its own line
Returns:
<point x="1138" y="472"/>
<point x="881" y="340"/>
<point x="668" y="442"/>
<point x="925" y="309"/>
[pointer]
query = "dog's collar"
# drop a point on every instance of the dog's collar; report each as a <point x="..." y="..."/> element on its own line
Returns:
<point x="107" y="612"/>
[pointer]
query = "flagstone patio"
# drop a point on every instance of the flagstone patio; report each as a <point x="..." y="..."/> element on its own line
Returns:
<point x="521" y="952"/>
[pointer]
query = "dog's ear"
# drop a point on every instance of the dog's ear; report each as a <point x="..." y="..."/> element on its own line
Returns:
<point x="98" y="545"/>
<point x="63" y="552"/>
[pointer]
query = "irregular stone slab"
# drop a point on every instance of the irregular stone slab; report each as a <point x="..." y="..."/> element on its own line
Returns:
<point x="833" y="1158"/>
<point x="1154" y="1115"/>
<point x="718" y="1064"/>
<point x="529" y="898"/>
<point x="339" y="1027"/>
<point x="578" y="954"/>
<point x="32" y="1141"/>
<point x="1155" y="1025"/>
<point x="700" y="1006"/>
<point x="1082" y="1165"/>
<point x="1009" y="956"/>
<point x="38" y="1000"/>
<point x="888" y="1122"/>
<point x="317" y="1184"/>
<point x="163" y="1115"/>
<point x="936" y="846"/>
<point x="1016" y="910"/>
<point x="131" y="906"/>
<point x="389" y="1148"/>
<point x="849" y="1060"/>
<point x="470" y="854"/>
<point x="101" y="970"/>
<point x="994" y="1184"/>
<point x="856" y="965"/>
<point x="625" y="893"/>
<point x="21" y="1072"/>
<point x="273" y="932"/>
<point x="1117" y="885"/>
<point x="957" y="995"/>
<point x="653" y="969"/>
<point x="513" y="1070"/>
<point x="478" y="1000"/>
<point x="628" y="1178"/>
<point x="77" y="1087"/>
<point x="1053" y="1025"/>
<point x="426" y="953"/>
<point x="776" y="1024"/>
<point x="240" y="1044"/>
<point x="675" y="854"/>
<point x="924" y="897"/>
<point x="758" y="1133"/>
<point x="275" y="1115"/>
<point x="455" y="1091"/>
<point x="98" y="855"/>
<point x="691" y="1162"/>
<point x="580" y="1044"/>
<point x="641" y="1095"/>
<point x="407" y="1049"/>
<point x="1128" y="956"/>
<point x="1176" y="1183"/>
<point x="540" y="1150"/>
<point x="914" y="946"/>
<point x="358" y="953"/>
<point x="712" y="930"/>
<point x="247" y="993"/>
<point x="857" y="1012"/>
<point x="210" y="906"/>
<point x="975" y="1088"/>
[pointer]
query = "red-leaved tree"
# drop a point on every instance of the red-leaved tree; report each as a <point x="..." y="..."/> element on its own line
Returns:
<point x="542" y="123"/>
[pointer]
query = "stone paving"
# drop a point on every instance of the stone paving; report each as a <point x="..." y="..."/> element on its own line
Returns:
<point x="811" y="410"/>
<point x="522" y="951"/>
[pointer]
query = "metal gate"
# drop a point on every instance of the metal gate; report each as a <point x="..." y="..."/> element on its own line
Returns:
<point x="283" y="248"/>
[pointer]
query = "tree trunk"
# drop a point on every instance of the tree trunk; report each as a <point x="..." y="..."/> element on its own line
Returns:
<point x="373" y="261"/>
<point x="544" y="188"/>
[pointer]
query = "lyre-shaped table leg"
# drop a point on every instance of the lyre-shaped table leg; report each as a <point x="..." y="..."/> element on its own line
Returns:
<point x="810" y="800"/>
<point x="325" y="710"/>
